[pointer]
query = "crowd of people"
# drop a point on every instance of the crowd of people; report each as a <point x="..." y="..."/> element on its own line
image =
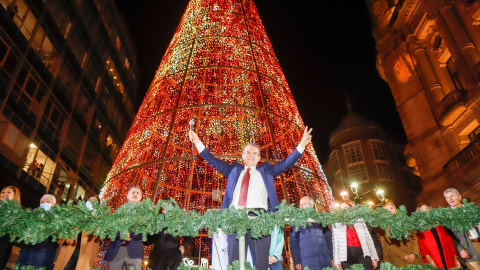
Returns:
<point x="83" y="251"/>
<point x="314" y="246"/>
<point x="252" y="187"/>
<point x="341" y="246"/>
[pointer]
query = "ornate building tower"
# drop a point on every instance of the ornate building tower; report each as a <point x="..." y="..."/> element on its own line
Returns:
<point x="221" y="72"/>
<point x="361" y="152"/>
<point x="428" y="53"/>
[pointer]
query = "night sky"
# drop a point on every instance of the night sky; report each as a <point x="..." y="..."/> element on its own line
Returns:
<point x="325" y="48"/>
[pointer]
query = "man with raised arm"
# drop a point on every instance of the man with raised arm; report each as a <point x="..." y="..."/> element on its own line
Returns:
<point x="249" y="186"/>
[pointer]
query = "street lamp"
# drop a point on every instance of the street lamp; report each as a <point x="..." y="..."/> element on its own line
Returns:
<point x="344" y="194"/>
<point x="380" y="195"/>
<point x="354" y="188"/>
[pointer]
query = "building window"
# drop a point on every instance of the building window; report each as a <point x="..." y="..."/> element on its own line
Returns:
<point x="335" y="161"/>
<point x="353" y="152"/>
<point x="4" y="49"/>
<point x="378" y="149"/>
<point x="118" y="43"/>
<point x="358" y="173"/>
<point x="10" y="136"/>
<point x="384" y="172"/>
<point x="39" y="166"/>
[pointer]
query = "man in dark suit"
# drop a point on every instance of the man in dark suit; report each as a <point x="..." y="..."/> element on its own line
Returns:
<point x="129" y="252"/>
<point x="249" y="186"/>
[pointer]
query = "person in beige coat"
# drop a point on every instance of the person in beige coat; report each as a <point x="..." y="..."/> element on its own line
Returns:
<point x="81" y="253"/>
<point x="400" y="252"/>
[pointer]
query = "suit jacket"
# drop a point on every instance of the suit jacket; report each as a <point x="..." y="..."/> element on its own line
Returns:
<point x="134" y="247"/>
<point x="165" y="253"/>
<point x="266" y="170"/>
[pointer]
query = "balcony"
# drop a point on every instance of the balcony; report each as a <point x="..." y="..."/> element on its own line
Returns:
<point x="452" y="106"/>
<point x="465" y="164"/>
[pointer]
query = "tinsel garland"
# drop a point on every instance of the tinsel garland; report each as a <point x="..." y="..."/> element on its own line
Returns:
<point x="67" y="221"/>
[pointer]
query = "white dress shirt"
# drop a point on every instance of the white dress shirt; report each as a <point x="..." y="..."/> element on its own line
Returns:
<point x="257" y="196"/>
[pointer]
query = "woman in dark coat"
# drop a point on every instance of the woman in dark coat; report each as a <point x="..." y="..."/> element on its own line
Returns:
<point x="167" y="252"/>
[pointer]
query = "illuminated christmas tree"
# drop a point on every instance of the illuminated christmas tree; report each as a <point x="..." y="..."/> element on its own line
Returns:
<point x="219" y="70"/>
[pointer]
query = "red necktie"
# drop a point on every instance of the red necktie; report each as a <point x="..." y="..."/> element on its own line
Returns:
<point x="242" y="200"/>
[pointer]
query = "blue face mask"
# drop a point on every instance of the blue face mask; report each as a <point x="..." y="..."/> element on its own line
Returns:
<point x="89" y="205"/>
<point x="46" y="206"/>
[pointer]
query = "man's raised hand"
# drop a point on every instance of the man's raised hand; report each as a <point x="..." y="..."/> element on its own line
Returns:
<point x="306" y="137"/>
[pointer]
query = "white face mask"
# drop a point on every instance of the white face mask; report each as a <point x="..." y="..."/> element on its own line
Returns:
<point x="89" y="205"/>
<point x="46" y="206"/>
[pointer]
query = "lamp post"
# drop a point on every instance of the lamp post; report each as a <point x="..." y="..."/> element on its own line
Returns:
<point x="354" y="188"/>
<point x="380" y="195"/>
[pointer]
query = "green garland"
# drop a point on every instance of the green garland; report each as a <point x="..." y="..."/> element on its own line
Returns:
<point x="236" y="266"/>
<point x="67" y="221"/>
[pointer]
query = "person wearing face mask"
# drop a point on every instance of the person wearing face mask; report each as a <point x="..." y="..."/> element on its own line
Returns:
<point x="41" y="254"/>
<point x="128" y="252"/>
<point x="13" y="194"/>
<point x="82" y="252"/>
<point x="403" y="252"/>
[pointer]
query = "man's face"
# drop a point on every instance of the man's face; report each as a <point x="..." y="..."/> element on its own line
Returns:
<point x="304" y="203"/>
<point x="251" y="156"/>
<point x="47" y="200"/>
<point x="134" y="195"/>
<point x="453" y="199"/>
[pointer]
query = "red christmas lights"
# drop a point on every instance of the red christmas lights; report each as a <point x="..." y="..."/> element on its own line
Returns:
<point x="221" y="71"/>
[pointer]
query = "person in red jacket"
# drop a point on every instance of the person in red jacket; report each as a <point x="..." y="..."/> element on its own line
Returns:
<point x="437" y="246"/>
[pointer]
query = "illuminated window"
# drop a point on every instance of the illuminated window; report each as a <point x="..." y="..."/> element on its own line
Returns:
<point x="39" y="165"/>
<point x="118" y="43"/>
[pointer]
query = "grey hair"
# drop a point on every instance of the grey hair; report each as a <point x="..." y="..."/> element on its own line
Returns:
<point x="454" y="191"/>
<point x="252" y="144"/>
<point x="311" y="201"/>
<point x="49" y="196"/>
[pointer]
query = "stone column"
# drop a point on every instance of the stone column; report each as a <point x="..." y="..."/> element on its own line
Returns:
<point x="464" y="72"/>
<point x="418" y="49"/>
<point x="461" y="38"/>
